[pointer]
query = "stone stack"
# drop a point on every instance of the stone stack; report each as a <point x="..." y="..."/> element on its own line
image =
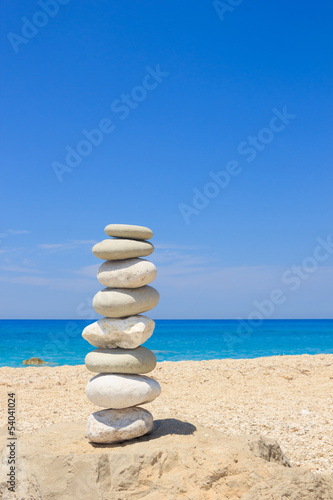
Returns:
<point x="119" y="360"/>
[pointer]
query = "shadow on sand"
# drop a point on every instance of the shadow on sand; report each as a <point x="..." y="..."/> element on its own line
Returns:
<point x="162" y="427"/>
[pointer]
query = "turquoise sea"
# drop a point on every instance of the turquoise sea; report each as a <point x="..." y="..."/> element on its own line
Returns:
<point x="59" y="342"/>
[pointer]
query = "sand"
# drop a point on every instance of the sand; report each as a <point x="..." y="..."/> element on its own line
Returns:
<point x="287" y="398"/>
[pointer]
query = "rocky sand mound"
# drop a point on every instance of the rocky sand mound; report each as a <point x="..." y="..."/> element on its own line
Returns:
<point x="179" y="460"/>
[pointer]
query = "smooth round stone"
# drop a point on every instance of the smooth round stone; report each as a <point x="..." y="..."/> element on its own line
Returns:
<point x="128" y="333"/>
<point x="111" y="426"/>
<point x="112" y="390"/>
<point x="129" y="231"/>
<point x="121" y="302"/>
<point x="129" y="273"/>
<point x="118" y="249"/>
<point x="139" y="360"/>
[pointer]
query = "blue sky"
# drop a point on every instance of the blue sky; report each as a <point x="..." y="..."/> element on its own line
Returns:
<point x="169" y="99"/>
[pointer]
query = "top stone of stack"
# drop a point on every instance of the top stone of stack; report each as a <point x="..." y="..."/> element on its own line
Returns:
<point x="128" y="231"/>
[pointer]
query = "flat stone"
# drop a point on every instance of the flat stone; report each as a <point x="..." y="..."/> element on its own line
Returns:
<point x="118" y="249"/>
<point x="139" y="360"/>
<point x="115" y="391"/>
<point x="122" y="302"/>
<point x="128" y="273"/>
<point x="129" y="231"/>
<point x="112" y="426"/>
<point x="127" y="333"/>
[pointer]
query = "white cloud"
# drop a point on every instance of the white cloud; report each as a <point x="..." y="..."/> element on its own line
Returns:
<point x="174" y="246"/>
<point x="89" y="271"/>
<point x="172" y="260"/>
<point x="18" y="231"/>
<point x="28" y="263"/>
<point x="26" y="280"/>
<point x="12" y="250"/>
<point x="69" y="245"/>
<point x="176" y="257"/>
<point x="20" y="269"/>
<point x="64" y="284"/>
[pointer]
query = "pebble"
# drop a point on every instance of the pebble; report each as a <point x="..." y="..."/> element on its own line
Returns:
<point x="121" y="302"/>
<point x="128" y="273"/>
<point x="137" y="361"/>
<point x="127" y="333"/>
<point x="119" y="249"/>
<point x="116" y="391"/>
<point x="111" y="426"/>
<point x="129" y="231"/>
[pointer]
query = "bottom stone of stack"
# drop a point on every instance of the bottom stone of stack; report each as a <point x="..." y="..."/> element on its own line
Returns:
<point x="112" y="426"/>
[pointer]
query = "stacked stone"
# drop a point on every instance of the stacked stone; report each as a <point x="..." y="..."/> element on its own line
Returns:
<point x="119" y="360"/>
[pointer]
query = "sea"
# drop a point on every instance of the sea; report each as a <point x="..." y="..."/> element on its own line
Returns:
<point x="59" y="342"/>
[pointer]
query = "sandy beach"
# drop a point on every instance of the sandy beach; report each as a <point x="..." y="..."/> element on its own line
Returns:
<point x="287" y="398"/>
